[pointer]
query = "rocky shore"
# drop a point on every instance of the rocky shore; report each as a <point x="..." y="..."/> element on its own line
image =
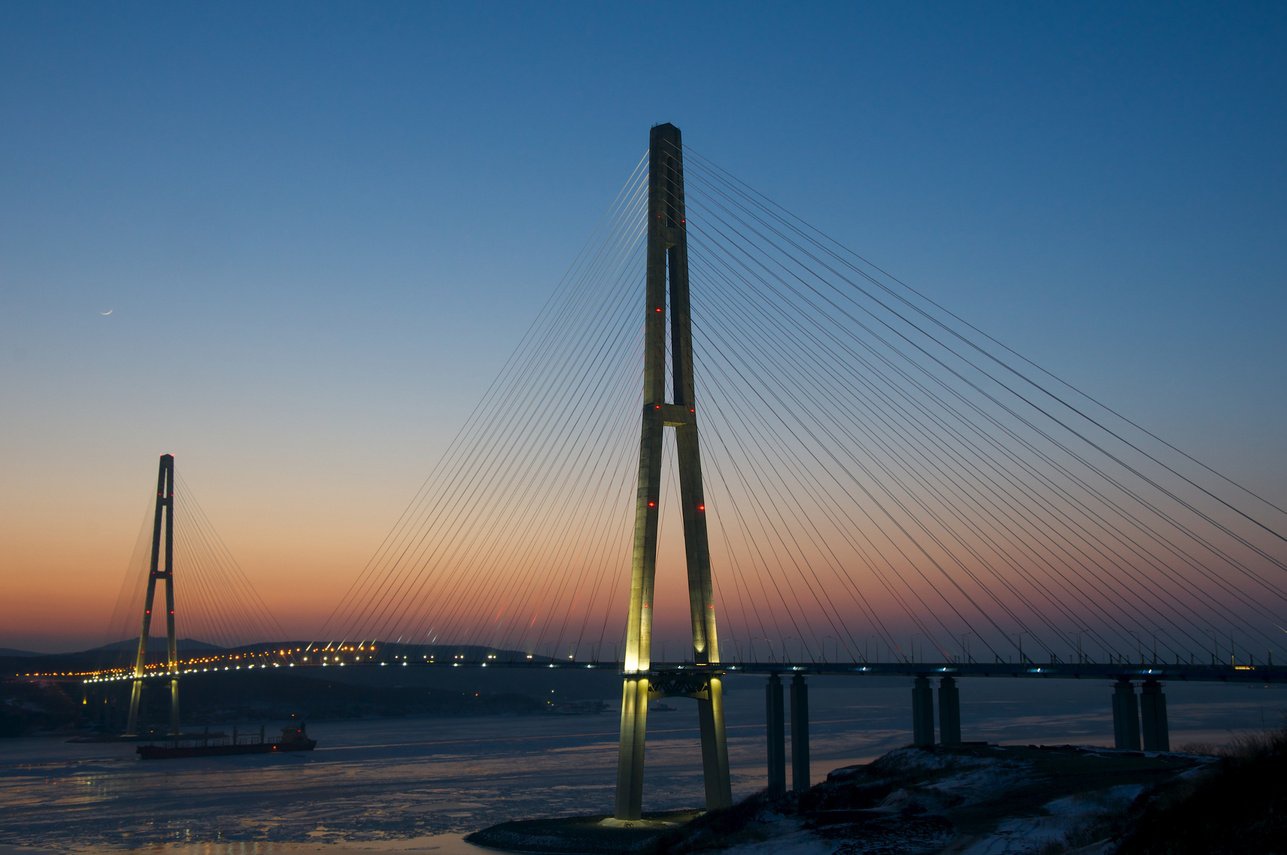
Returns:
<point x="973" y="800"/>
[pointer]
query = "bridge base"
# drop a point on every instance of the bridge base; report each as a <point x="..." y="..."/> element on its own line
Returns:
<point x="1157" y="734"/>
<point x="715" y="771"/>
<point x="922" y="714"/>
<point x="1126" y="717"/>
<point x="776" y="731"/>
<point x="630" y="757"/>
<point x="800" y="777"/>
<point x="949" y="712"/>
<point x="636" y="690"/>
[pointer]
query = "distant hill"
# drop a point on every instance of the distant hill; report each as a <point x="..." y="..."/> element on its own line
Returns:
<point x="16" y="654"/>
<point x="121" y="654"/>
<point x="118" y="653"/>
<point x="154" y="645"/>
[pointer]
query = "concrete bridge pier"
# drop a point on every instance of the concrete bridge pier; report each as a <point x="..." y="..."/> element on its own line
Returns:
<point x="949" y="712"/>
<point x="1126" y="717"/>
<point x="775" y="720"/>
<point x="800" y="778"/>
<point x="630" y="758"/>
<point x="1157" y="735"/>
<point x="923" y="714"/>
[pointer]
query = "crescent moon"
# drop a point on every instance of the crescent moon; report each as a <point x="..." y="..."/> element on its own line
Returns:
<point x="108" y="312"/>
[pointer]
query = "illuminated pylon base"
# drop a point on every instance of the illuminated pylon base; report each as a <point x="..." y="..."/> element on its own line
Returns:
<point x="708" y="692"/>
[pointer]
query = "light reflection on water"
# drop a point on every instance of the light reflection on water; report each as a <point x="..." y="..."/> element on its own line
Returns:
<point x="417" y="784"/>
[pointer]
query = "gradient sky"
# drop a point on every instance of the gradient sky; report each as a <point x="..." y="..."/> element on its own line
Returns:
<point x="321" y="229"/>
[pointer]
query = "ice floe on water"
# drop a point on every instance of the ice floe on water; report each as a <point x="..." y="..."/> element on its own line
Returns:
<point x="391" y="785"/>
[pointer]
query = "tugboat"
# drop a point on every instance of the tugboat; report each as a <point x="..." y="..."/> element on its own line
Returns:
<point x="294" y="738"/>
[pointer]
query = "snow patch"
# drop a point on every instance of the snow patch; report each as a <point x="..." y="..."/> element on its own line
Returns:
<point x="985" y="782"/>
<point x="1111" y="800"/>
<point x="908" y="760"/>
<point x="1064" y="818"/>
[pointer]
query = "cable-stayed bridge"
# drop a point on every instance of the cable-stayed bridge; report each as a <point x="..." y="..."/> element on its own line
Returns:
<point x="844" y="476"/>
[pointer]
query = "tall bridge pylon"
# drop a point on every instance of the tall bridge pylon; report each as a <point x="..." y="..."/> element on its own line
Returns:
<point x="164" y="572"/>
<point x="667" y="267"/>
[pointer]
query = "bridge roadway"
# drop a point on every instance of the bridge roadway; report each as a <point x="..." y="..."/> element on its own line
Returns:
<point x="1122" y="670"/>
<point x="1149" y="670"/>
<point x="1067" y="670"/>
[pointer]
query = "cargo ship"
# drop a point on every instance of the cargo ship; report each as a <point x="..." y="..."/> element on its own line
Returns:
<point x="294" y="738"/>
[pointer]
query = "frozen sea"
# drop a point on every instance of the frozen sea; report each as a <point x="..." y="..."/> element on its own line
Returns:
<point x="419" y="785"/>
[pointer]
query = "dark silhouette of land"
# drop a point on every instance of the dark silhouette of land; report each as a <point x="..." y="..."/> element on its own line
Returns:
<point x="55" y="704"/>
<point x="917" y="800"/>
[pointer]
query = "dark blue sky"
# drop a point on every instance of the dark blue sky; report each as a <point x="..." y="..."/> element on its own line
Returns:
<point x="321" y="227"/>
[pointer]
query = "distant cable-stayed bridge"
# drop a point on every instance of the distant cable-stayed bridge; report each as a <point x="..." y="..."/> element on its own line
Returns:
<point x="878" y="487"/>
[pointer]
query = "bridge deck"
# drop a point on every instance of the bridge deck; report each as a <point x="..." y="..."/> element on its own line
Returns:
<point x="1161" y="671"/>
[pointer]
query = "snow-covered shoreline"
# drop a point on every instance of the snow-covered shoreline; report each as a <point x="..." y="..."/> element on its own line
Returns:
<point x="974" y="800"/>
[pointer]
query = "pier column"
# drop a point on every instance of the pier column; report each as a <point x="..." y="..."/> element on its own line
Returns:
<point x="1157" y="736"/>
<point x="776" y="726"/>
<point x="1126" y="717"/>
<point x="799" y="734"/>
<point x="922" y="714"/>
<point x="949" y="712"/>
<point x="715" y="773"/>
<point x="630" y="759"/>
